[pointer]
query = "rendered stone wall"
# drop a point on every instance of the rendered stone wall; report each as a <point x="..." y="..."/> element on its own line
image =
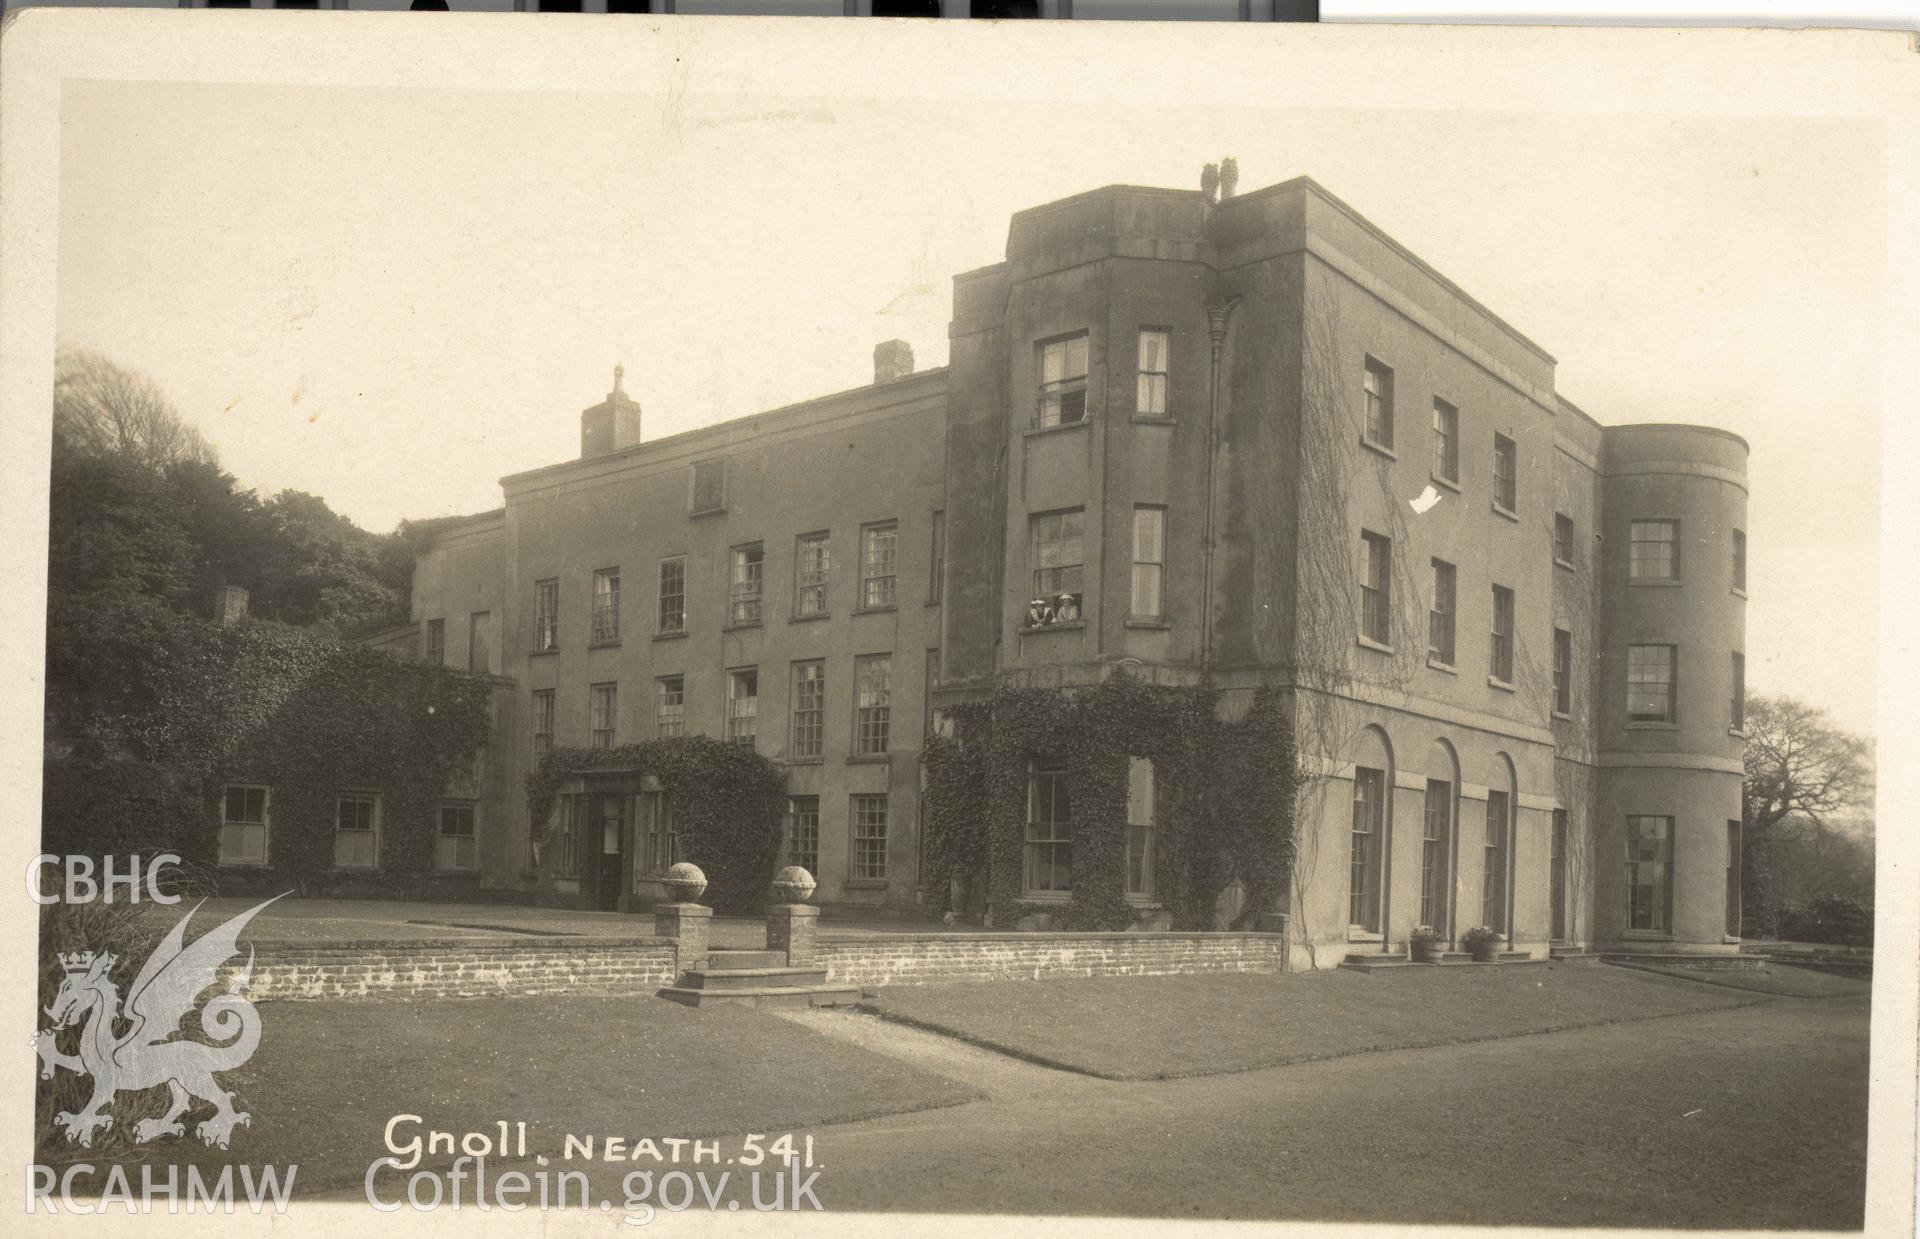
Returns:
<point x="460" y="968"/>
<point x="871" y="961"/>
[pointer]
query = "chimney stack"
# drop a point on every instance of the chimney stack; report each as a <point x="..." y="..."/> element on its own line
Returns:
<point x="229" y="606"/>
<point x="1229" y="177"/>
<point x="612" y="424"/>
<point x="892" y="360"/>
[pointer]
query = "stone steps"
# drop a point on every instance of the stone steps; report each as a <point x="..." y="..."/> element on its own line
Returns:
<point x="792" y="996"/>
<point x="714" y="979"/>
<point x="730" y="960"/>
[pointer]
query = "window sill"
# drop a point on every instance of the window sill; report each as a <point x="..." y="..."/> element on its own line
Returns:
<point x="1437" y="665"/>
<point x="242" y="864"/>
<point x="1159" y="625"/>
<point x="456" y="873"/>
<point x="876" y="610"/>
<point x="1563" y="716"/>
<point x="742" y="625"/>
<point x="1738" y="733"/>
<point x="670" y="636"/>
<point x="1381" y="449"/>
<point x="934" y="602"/>
<point x="1046" y="896"/>
<point x="612" y="643"/>
<point x="1651" y="725"/>
<point x="1144" y="903"/>
<point x="1357" y="934"/>
<point x="1368" y="643"/>
<point x="1654" y="582"/>
<point x="1563" y="563"/>
<point x="1739" y="593"/>
<point x="1505" y="686"/>
<point x="806" y="761"/>
<point x="869" y="759"/>
<point x="864" y="884"/>
<point x="706" y="512"/>
<point x="543" y="653"/>
<point x="1150" y="419"/>
<point x="1509" y="513"/>
<point x="1646" y="935"/>
<point x="809" y="617"/>
<point x="1445" y="483"/>
<point x="1064" y="626"/>
<point x="1082" y="424"/>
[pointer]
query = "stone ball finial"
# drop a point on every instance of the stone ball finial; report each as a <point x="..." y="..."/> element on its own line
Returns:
<point x="685" y="882"/>
<point x="793" y="885"/>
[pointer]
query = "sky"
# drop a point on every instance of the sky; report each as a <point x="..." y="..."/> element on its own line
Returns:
<point x="394" y="297"/>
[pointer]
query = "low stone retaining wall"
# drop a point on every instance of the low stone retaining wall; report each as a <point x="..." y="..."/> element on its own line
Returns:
<point x="873" y="960"/>
<point x="461" y="968"/>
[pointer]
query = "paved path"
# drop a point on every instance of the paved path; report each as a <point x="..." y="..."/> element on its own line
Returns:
<point x="1745" y="1118"/>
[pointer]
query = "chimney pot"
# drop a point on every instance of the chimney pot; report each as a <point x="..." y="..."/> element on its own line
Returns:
<point x="892" y="360"/>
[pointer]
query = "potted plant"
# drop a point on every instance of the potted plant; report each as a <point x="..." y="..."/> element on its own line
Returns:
<point x="1424" y="944"/>
<point x="1483" y="942"/>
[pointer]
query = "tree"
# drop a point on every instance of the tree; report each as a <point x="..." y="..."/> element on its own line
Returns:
<point x="1800" y="769"/>
<point x="101" y="409"/>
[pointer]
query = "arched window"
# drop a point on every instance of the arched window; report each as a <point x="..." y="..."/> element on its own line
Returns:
<point x="1371" y="820"/>
<point x="1436" y="835"/>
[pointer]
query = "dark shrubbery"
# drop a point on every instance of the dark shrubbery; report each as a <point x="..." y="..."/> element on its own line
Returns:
<point x="728" y="803"/>
<point x="1838" y="920"/>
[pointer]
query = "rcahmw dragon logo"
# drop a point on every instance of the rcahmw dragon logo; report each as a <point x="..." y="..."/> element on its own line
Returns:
<point x="152" y="1052"/>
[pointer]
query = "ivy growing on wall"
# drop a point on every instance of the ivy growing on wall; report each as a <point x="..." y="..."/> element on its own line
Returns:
<point x="298" y="711"/>
<point x="728" y="802"/>
<point x="1225" y="798"/>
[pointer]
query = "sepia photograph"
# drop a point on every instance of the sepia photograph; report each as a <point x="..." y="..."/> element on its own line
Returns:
<point x="956" y="620"/>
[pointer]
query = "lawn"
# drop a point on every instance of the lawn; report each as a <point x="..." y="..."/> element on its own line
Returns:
<point x="1781" y="979"/>
<point x="328" y="1076"/>
<point x="1144" y="1028"/>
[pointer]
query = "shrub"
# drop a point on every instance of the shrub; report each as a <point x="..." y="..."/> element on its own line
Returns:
<point x="127" y="932"/>
<point x="1480" y="936"/>
<point x="1838" y="920"/>
<point x="728" y="802"/>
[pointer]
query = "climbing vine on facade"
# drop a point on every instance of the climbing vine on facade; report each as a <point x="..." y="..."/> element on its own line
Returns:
<point x="727" y="801"/>
<point x="1223" y="799"/>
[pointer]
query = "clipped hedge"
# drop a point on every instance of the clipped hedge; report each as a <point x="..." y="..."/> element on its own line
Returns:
<point x="728" y="804"/>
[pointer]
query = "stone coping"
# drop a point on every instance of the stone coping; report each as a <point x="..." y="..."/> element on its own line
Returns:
<point x="827" y="935"/>
<point x="278" y="947"/>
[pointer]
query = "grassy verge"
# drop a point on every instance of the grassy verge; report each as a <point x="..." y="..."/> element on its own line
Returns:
<point x="1143" y="1028"/>
<point x="328" y="1077"/>
<point x="1783" y="980"/>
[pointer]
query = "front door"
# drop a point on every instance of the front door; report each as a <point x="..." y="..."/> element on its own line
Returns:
<point x="611" y="811"/>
